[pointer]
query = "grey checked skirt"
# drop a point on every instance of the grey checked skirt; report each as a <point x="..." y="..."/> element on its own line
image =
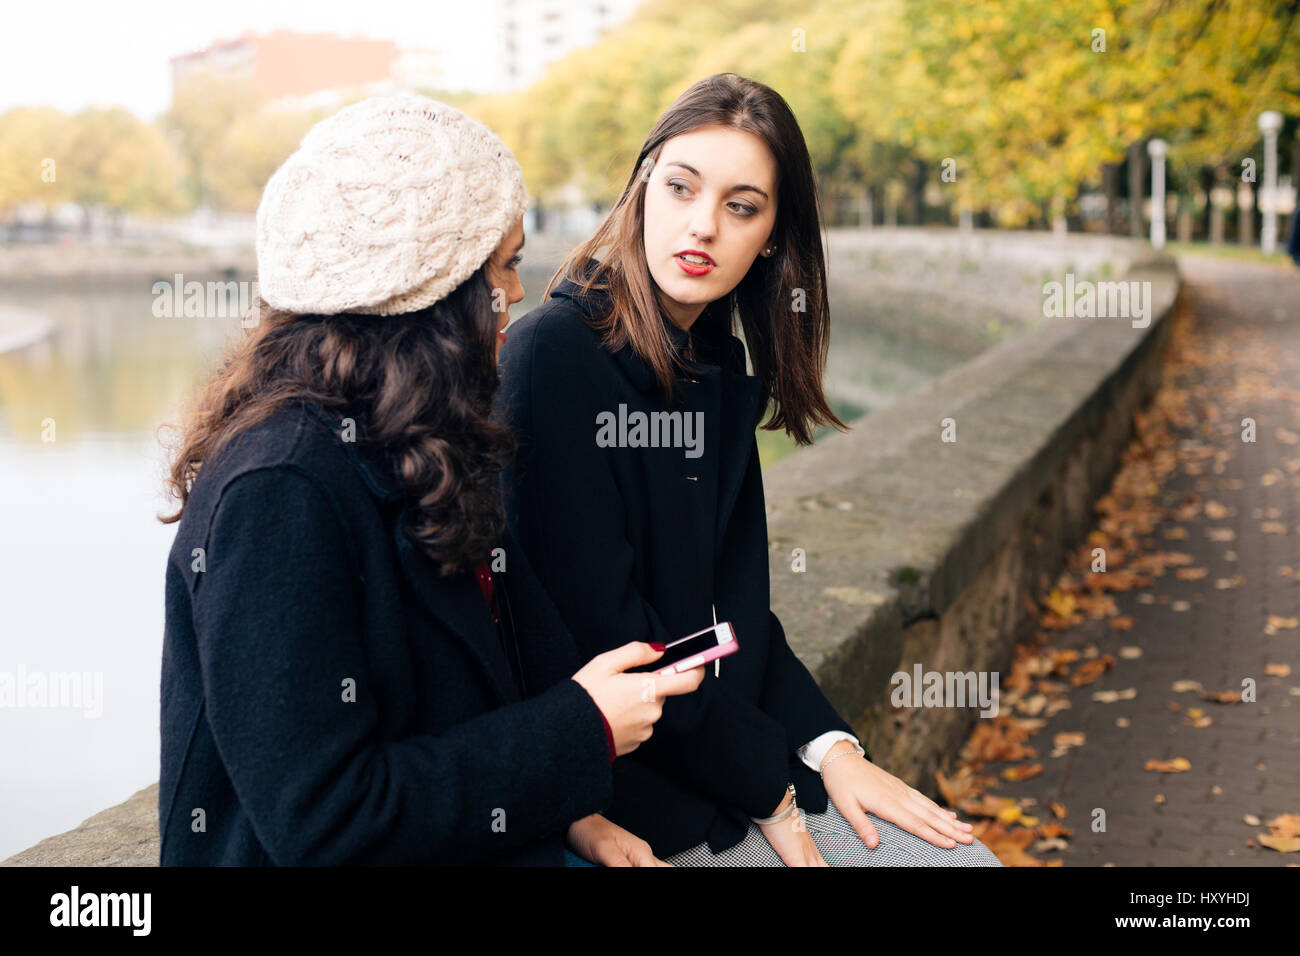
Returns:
<point x="841" y="846"/>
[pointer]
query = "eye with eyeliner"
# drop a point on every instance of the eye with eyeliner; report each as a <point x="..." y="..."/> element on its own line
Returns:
<point x="739" y="208"/>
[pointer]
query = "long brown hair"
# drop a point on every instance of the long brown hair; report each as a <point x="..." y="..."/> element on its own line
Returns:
<point x="782" y="300"/>
<point x="420" y="387"/>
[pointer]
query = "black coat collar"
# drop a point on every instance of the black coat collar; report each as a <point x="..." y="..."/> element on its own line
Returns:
<point x="711" y="338"/>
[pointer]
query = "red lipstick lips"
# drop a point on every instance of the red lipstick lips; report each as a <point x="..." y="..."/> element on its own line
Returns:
<point x="698" y="264"/>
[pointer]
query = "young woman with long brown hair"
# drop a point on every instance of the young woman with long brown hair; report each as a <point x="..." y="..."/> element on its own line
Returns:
<point x="655" y="536"/>
<point x="337" y="686"/>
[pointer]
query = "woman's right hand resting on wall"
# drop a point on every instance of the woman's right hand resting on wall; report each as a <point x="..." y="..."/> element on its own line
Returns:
<point x="632" y="702"/>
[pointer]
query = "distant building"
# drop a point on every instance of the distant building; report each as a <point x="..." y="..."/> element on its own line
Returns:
<point x="308" y="70"/>
<point x="535" y="33"/>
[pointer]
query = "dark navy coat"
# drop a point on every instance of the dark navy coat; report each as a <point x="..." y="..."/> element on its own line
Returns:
<point x="644" y="544"/>
<point x="327" y="698"/>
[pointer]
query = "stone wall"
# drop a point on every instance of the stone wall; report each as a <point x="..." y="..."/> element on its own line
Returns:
<point x="921" y="551"/>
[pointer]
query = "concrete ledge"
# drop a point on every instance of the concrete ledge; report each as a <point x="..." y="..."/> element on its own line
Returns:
<point x="124" y="835"/>
<point x="924" y="551"/>
<point x="55" y="263"/>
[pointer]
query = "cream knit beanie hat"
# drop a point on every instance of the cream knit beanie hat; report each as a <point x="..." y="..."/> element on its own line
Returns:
<point x="386" y="207"/>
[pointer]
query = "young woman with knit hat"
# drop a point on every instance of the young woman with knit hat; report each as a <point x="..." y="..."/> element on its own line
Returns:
<point x="718" y="223"/>
<point x="359" y="666"/>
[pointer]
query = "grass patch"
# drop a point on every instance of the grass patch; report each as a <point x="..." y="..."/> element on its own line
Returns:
<point x="1228" y="251"/>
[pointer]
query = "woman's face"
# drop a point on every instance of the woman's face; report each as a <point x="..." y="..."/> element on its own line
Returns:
<point x="712" y="193"/>
<point x="502" y="270"/>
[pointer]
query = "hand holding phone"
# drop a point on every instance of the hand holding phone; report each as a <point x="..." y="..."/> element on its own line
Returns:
<point x="631" y="702"/>
<point x="698" y="649"/>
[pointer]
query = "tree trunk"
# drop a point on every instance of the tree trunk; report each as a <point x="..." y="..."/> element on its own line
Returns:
<point x="867" y="208"/>
<point x="1185" y="217"/>
<point x="1217" y="223"/>
<point x="1110" y="183"/>
<point x="916" y="194"/>
<point x="1137" y="175"/>
<point x="1247" y="200"/>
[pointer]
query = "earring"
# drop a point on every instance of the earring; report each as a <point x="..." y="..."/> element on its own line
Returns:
<point x="769" y="250"/>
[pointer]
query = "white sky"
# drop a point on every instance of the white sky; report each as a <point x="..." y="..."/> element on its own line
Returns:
<point x="83" y="53"/>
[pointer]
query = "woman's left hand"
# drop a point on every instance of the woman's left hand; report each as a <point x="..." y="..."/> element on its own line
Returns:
<point x="857" y="786"/>
<point x="597" y="840"/>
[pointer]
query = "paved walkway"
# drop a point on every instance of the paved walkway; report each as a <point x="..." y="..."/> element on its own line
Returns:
<point x="1202" y="539"/>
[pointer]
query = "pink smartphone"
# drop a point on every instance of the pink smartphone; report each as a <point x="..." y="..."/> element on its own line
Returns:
<point x="696" y="650"/>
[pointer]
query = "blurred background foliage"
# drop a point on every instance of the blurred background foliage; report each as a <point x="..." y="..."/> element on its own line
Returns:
<point x="1031" y="100"/>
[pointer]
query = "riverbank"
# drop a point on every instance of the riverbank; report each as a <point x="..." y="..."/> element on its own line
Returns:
<point x="74" y="267"/>
<point x="61" y="262"/>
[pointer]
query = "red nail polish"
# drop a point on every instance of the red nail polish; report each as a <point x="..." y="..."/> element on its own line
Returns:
<point x="658" y="647"/>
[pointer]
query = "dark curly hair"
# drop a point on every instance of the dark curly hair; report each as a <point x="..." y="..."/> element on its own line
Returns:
<point x="420" y="387"/>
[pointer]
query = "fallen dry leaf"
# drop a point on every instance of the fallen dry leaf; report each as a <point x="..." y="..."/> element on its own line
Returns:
<point x="1032" y="705"/>
<point x="999" y="739"/>
<point x="1288" y="824"/>
<point x="986" y="806"/>
<point x="1110" y="696"/>
<point x="1024" y="772"/>
<point x="1177" y="765"/>
<point x="1222" y="696"/>
<point x="1276" y="624"/>
<point x="1009" y="845"/>
<point x="1089" y="671"/>
<point x="1280" y="843"/>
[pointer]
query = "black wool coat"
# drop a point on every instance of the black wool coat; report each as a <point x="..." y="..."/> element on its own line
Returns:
<point x="644" y="544"/>
<point x="327" y="698"/>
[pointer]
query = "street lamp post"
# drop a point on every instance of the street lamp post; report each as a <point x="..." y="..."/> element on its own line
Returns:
<point x="1157" y="148"/>
<point x="1270" y="123"/>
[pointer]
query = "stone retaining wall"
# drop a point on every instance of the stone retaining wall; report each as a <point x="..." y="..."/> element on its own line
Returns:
<point x="922" y="551"/>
